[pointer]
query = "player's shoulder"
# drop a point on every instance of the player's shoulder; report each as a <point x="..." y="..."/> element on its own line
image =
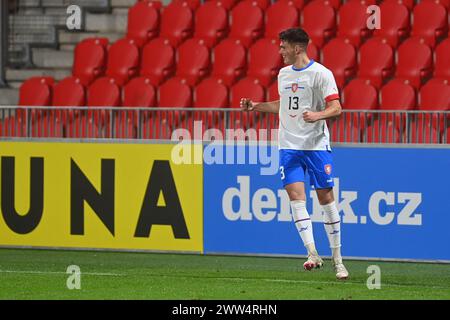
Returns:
<point x="320" y="68"/>
<point x="286" y="69"/>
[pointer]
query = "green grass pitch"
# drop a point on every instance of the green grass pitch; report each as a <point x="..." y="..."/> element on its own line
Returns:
<point x="41" y="274"/>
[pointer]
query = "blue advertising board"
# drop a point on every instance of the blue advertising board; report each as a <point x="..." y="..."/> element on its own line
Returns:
<point x="393" y="204"/>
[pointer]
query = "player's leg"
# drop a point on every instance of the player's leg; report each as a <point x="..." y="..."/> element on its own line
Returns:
<point x="302" y="220"/>
<point x="320" y="164"/>
<point x="292" y="172"/>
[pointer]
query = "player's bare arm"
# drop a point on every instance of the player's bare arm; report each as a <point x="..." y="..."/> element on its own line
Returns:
<point x="333" y="109"/>
<point x="268" y="107"/>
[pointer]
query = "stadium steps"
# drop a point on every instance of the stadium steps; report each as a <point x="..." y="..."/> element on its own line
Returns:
<point x="9" y="96"/>
<point x="51" y="58"/>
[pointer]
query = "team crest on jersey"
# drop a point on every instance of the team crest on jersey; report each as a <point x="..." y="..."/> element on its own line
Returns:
<point x="328" y="168"/>
<point x="294" y="87"/>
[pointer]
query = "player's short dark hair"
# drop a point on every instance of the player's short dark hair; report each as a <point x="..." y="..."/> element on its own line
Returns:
<point x="295" y="36"/>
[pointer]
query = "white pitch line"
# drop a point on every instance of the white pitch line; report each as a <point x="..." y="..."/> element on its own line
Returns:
<point x="60" y="272"/>
<point x="347" y="282"/>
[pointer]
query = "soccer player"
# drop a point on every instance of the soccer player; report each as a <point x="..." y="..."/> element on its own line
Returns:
<point x="308" y="96"/>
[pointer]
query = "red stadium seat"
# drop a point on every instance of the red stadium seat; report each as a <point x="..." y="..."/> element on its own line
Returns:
<point x="48" y="126"/>
<point x="446" y="135"/>
<point x="382" y="131"/>
<point x="83" y="127"/>
<point x="397" y="95"/>
<point x="313" y="52"/>
<point x="192" y="4"/>
<point x="211" y="23"/>
<point x="182" y="98"/>
<point x="104" y="92"/>
<point x="376" y="61"/>
<point x="264" y="61"/>
<point x="90" y="59"/>
<point x="340" y="57"/>
<point x="360" y="95"/>
<point x="280" y="16"/>
<point x="299" y="4"/>
<point x="36" y="91"/>
<point x="414" y="61"/>
<point x="263" y="4"/>
<point x="442" y="61"/>
<point x="395" y="23"/>
<point x="123" y="61"/>
<point x="426" y="127"/>
<point x="230" y="60"/>
<point x="422" y="131"/>
<point x="444" y="3"/>
<point x="227" y="4"/>
<point x="143" y="22"/>
<point x="248" y="88"/>
<point x="407" y="3"/>
<point x="158" y="61"/>
<point x="319" y="21"/>
<point x="10" y="127"/>
<point x="353" y="22"/>
<point x="247" y="22"/>
<point x="166" y="121"/>
<point x="69" y="92"/>
<point x="211" y="93"/>
<point x="177" y="23"/>
<point x="430" y="22"/>
<point x="435" y="95"/>
<point x="139" y="93"/>
<point x="345" y="129"/>
<point x="193" y="61"/>
<point x="272" y="92"/>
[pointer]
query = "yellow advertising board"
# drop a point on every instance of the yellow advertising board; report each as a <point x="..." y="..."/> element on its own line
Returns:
<point x="99" y="195"/>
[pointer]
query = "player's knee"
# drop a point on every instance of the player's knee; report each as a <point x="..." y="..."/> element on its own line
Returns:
<point x="296" y="195"/>
<point x="325" y="196"/>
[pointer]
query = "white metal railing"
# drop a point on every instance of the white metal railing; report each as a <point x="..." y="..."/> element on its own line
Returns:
<point x="353" y="126"/>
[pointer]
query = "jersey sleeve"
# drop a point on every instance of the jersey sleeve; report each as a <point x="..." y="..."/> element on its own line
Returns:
<point x="328" y="87"/>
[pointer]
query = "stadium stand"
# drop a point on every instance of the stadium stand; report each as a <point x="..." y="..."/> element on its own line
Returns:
<point x="247" y="22"/>
<point x="339" y="56"/>
<point x="177" y="23"/>
<point x="319" y="21"/>
<point x="395" y="19"/>
<point x="143" y="22"/>
<point x="280" y="16"/>
<point x="193" y="61"/>
<point x="230" y="61"/>
<point x="211" y="23"/>
<point x="158" y="61"/>
<point x="229" y="48"/>
<point x="90" y="59"/>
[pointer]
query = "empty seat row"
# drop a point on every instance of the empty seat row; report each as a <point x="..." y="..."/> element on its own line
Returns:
<point x="212" y="92"/>
<point x="248" y="21"/>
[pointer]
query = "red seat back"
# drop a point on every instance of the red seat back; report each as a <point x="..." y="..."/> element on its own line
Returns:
<point x="230" y="61"/>
<point x="247" y="22"/>
<point x="143" y="22"/>
<point x="211" y="23"/>
<point x="90" y="59"/>
<point x="177" y="23"/>
<point x="340" y="57"/>
<point x="319" y="21"/>
<point x="123" y="61"/>
<point x="158" y="61"/>
<point x="193" y="61"/>
<point x="280" y="16"/>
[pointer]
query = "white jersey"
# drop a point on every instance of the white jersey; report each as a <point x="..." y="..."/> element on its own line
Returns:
<point x="306" y="89"/>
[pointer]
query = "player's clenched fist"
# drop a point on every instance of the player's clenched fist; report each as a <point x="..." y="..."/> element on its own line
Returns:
<point x="247" y="104"/>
